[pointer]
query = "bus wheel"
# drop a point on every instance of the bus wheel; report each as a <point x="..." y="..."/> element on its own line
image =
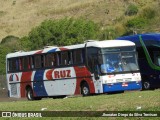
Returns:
<point x="85" y="89"/>
<point x="30" y="94"/>
<point x="146" y="85"/>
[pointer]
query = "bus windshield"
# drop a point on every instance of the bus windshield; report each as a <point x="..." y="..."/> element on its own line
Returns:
<point x="153" y="48"/>
<point x="122" y="61"/>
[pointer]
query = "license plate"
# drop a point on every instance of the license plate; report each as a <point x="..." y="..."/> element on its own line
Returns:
<point x="125" y="84"/>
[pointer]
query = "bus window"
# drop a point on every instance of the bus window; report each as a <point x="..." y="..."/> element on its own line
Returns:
<point x="58" y="59"/>
<point x="17" y="64"/>
<point x="32" y="65"/>
<point x="20" y="63"/>
<point x="13" y="64"/>
<point x="42" y="61"/>
<point x="50" y="60"/>
<point x="64" y="58"/>
<point x="37" y="61"/>
<point x="55" y="61"/>
<point x="25" y="63"/>
<point x="157" y="58"/>
<point x="70" y="57"/>
<point x="91" y="53"/>
<point x="77" y="56"/>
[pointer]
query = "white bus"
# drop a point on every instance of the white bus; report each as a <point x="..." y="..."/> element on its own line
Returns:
<point x="90" y="68"/>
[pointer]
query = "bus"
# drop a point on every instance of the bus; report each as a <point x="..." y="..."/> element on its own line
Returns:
<point x="93" y="67"/>
<point x="148" y="47"/>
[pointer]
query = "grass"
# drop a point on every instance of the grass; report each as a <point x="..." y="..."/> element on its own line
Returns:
<point x="128" y="101"/>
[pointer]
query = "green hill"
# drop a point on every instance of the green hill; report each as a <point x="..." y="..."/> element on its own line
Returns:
<point x="18" y="17"/>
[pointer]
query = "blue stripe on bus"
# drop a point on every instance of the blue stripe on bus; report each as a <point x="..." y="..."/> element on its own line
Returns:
<point x="53" y="50"/>
<point x="119" y="87"/>
<point x="39" y="88"/>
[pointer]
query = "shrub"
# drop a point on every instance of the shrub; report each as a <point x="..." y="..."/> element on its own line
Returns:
<point x="8" y="39"/>
<point x="137" y="22"/>
<point x="148" y="13"/>
<point x="132" y="9"/>
<point x="61" y="32"/>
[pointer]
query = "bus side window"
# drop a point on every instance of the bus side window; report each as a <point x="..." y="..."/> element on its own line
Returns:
<point x="64" y="58"/>
<point x="10" y="65"/>
<point x="70" y="57"/>
<point x="55" y="61"/>
<point x="42" y="61"/>
<point x="157" y="58"/>
<point x="37" y="61"/>
<point x="25" y="63"/>
<point x="20" y="63"/>
<point x="58" y="59"/>
<point x="10" y="61"/>
<point x="32" y="62"/>
<point x="17" y="64"/>
<point x="29" y="63"/>
<point x="93" y="63"/>
<point x="13" y="64"/>
<point x="91" y="53"/>
<point x="50" y="60"/>
<point x="77" y="56"/>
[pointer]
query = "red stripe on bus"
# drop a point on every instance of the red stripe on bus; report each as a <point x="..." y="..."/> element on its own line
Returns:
<point x="82" y="71"/>
<point x="62" y="49"/>
<point x="25" y="80"/>
<point x="39" y="52"/>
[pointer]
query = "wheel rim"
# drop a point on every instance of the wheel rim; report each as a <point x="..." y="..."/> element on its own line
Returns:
<point x="30" y="94"/>
<point x="146" y="85"/>
<point x="85" y="90"/>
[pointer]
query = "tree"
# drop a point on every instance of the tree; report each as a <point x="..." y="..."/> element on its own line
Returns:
<point x="60" y="32"/>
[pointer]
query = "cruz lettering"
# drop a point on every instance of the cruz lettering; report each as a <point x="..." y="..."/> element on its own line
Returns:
<point x="62" y="74"/>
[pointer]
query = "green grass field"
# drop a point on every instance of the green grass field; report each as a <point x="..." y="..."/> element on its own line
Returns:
<point x="147" y="100"/>
<point x="128" y="101"/>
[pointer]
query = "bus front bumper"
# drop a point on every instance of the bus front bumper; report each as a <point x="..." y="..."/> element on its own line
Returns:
<point x="122" y="86"/>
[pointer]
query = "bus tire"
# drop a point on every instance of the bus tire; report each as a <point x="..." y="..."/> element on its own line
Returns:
<point x="29" y="94"/>
<point x="146" y="85"/>
<point x="85" y="89"/>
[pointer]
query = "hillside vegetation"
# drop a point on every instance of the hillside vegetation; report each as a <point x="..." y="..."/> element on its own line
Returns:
<point x="66" y="22"/>
<point x="18" y="17"/>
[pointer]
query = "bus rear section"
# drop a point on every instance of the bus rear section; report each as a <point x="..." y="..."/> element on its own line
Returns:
<point x="148" y="48"/>
<point x="91" y="68"/>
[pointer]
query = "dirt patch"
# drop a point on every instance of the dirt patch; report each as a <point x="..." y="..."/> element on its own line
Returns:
<point x="4" y="97"/>
<point x="3" y="93"/>
<point x="8" y="99"/>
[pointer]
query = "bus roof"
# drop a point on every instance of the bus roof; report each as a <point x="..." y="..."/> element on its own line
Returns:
<point x="100" y="44"/>
<point x="145" y="37"/>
